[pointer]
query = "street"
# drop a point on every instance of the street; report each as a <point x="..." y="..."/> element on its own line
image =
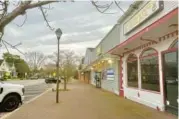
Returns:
<point x="33" y="88"/>
<point x="83" y="101"/>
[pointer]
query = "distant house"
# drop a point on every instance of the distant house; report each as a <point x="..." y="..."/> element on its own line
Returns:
<point x="6" y="67"/>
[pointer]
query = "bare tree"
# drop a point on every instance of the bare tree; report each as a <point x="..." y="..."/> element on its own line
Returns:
<point x="68" y="64"/>
<point x="21" y="7"/>
<point x="35" y="60"/>
<point x="49" y="69"/>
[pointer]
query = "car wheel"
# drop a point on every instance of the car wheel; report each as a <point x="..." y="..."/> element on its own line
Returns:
<point x="10" y="103"/>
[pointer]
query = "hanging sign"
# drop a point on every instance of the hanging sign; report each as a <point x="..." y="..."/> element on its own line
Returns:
<point x="149" y="9"/>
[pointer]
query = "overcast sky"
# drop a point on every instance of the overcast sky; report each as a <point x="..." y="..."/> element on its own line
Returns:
<point x="82" y="25"/>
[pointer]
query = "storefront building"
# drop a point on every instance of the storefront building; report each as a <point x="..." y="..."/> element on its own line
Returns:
<point x="103" y="67"/>
<point x="148" y="52"/>
<point x="85" y="73"/>
<point x="138" y="58"/>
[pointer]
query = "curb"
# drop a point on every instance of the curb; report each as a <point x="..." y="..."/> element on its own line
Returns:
<point x="33" y="99"/>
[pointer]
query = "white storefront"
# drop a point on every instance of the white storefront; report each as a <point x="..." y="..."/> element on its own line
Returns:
<point x="105" y="66"/>
<point x="143" y="46"/>
<point x="148" y="54"/>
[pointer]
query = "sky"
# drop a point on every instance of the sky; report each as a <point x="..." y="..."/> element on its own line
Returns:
<point x="82" y="26"/>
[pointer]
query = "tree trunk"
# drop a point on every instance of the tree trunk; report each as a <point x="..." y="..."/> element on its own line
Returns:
<point x="65" y="84"/>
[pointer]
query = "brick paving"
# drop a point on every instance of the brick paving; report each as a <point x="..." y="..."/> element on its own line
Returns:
<point x="84" y="101"/>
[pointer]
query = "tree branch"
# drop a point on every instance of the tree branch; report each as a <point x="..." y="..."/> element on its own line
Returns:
<point x="45" y="18"/>
<point x="102" y="8"/>
<point x="14" y="47"/>
<point x="11" y="16"/>
<point x="20" y="10"/>
<point x="5" y="46"/>
<point x="25" y="19"/>
<point x="33" y="5"/>
<point x="117" y="4"/>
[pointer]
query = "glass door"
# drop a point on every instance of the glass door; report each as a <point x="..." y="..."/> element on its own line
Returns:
<point x="170" y="66"/>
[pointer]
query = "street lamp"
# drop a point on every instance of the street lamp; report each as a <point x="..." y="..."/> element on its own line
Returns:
<point x="58" y="33"/>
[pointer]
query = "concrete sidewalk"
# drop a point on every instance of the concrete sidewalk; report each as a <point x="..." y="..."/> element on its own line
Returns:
<point x="86" y="102"/>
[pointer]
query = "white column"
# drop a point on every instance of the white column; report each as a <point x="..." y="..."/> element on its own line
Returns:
<point x="139" y="74"/>
<point x="161" y="78"/>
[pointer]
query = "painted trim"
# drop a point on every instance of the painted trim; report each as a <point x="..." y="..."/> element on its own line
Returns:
<point x="155" y="54"/>
<point x="129" y="87"/>
<point x="140" y="58"/>
<point x="170" y="50"/>
<point x="149" y="40"/>
<point x="163" y="82"/>
<point x="173" y="43"/>
<point x="121" y="89"/>
<point x="151" y="91"/>
<point x="168" y="35"/>
<point x="162" y="38"/>
<point x="127" y="70"/>
<point x="139" y="47"/>
<point x="132" y="59"/>
<point x="119" y="74"/>
<point x="150" y="27"/>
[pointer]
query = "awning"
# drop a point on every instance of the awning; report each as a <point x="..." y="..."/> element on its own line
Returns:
<point x="152" y="34"/>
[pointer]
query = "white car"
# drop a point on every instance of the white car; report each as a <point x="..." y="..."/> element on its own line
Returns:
<point x="11" y="96"/>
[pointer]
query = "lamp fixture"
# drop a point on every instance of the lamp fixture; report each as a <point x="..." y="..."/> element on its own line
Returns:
<point x="110" y="61"/>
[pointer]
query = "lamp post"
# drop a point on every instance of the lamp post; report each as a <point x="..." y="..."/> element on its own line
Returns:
<point x="58" y="33"/>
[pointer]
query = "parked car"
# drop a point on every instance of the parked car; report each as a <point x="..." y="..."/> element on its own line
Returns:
<point x="33" y="77"/>
<point x="51" y="80"/>
<point x="11" y="96"/>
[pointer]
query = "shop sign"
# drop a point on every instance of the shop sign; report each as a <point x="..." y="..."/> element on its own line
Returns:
<point x="110" y="74"/>
<point x="143" y="14"/>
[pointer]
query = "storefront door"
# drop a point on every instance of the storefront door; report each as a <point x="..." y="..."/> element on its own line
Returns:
<point x="170" y="71"/>
<point x="98" y="79"/>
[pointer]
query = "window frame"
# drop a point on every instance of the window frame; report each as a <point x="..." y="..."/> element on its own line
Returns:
<point x="156" y="54"/>
<point x="137" y="70"/>
<point x="168" y="50"/>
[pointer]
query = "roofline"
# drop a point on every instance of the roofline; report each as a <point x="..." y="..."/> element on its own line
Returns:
<point x="129" y="11"/>
<point x="106" y="35"/>
<point x="88" y="49"/>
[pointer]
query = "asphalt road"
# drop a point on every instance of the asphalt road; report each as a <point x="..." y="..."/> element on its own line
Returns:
<point x="31" y="91"/>
<point x="33" y="88"/>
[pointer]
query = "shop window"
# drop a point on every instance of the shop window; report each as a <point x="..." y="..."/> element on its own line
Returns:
<point x="150" y="70"/>
<point x="132" y="80"/>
